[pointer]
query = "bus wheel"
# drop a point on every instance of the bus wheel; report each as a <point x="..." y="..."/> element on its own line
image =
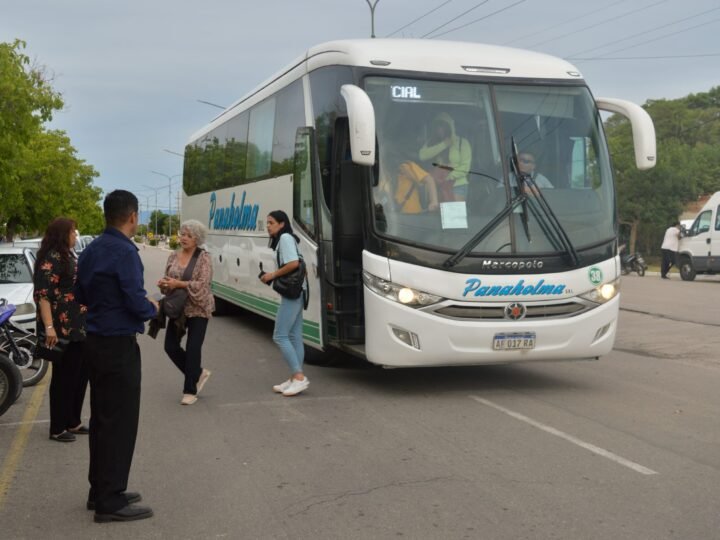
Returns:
<point x="687" y="272"/>
<point x="221" y="307"/>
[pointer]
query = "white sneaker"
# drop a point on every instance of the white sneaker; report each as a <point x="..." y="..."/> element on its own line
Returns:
<point x="296" y="387"/>
<point x="204" y="376"/>
<point x="188" y="399"/>
<point x="280" y="388"/>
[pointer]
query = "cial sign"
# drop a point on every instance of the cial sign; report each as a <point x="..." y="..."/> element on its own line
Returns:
<point x="405" y="92"/>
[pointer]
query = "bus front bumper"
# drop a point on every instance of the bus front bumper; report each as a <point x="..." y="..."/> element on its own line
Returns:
<point x="399" y="336"/>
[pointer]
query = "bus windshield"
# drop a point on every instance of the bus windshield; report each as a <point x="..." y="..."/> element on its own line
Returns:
<point x="444" y="153"/>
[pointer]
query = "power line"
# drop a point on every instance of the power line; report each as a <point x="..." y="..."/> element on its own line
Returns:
<point x="604" y="8"/>
<point x="456" y="18"/>
<point x="660" y="37"/>
<point x="480" y="19"/>
<point x="598" y="23"/>
<point x="643" y="33"/>
<point x="419" y="18"/>
<point x="702" y="55"/>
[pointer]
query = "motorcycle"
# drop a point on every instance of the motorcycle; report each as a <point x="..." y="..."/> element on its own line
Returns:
<point x="632" y="262"/>
<point x="10" y="377"/>
<point x="19" y="346"/>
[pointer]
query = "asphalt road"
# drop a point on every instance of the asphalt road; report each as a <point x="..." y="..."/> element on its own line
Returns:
<point x="627" y="447"/>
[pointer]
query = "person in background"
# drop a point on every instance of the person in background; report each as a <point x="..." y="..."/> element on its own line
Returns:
<point x="61" y="316"/>
<point x="526" y="162"/>
<point x="110" y="284"/>
<point x="198" y="308"/>
<point x="669" y="248"/>
<point x="450" y="156"/>
<point x="288" y="323"/>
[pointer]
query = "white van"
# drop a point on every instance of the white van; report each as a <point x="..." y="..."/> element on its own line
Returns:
<point x="699" y="251"/>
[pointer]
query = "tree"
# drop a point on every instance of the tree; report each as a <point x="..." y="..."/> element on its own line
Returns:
<point x="54" y="182"/>
<point x="688" y="135"/>
<point x="27" y="102"/>
<point x="157" y="222"/>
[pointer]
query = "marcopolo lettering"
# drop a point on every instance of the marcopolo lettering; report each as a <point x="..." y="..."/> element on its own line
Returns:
<point x="491" y="264"/>
<point x="474" y="285"/>
<point x="243" y="217"/>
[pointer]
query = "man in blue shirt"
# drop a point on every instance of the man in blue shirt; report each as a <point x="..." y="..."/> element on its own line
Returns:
<point x="110" y="284"/>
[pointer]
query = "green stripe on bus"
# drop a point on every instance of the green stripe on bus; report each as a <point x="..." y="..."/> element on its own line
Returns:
<point x="311" y="329"/>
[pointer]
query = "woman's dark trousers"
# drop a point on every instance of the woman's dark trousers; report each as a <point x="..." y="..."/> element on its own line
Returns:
<point x="189" y="360"/>
<point x="67" y="390"/>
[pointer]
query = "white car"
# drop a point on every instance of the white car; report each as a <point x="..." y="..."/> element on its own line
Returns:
<point x="16" y="284"/>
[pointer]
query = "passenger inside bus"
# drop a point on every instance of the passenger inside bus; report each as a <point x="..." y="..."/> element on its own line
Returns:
<point x="410" y="187"/>
<point x="448" y="158"/>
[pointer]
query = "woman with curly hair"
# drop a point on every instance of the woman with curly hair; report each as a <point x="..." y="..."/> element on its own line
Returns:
<point x="59" y="316"/>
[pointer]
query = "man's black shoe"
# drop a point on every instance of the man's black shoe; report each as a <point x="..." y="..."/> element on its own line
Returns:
<point x="130" y="496"/>
<point x="131" y="512"/>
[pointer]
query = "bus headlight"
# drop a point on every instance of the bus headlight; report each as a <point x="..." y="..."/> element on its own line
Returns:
<point x="399" y="293"/>
<point x="603" y="293"/>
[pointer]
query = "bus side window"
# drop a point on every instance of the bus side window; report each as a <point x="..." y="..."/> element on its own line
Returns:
<point x="303" y="208"/>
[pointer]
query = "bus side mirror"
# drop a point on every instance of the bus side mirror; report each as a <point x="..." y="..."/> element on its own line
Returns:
<point x="643" y="130"/>
<point x="361" y="119"/>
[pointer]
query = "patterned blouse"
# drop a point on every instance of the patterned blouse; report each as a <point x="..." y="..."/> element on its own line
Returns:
<point x="201" y="302"/>
<point x="54" y="281"/>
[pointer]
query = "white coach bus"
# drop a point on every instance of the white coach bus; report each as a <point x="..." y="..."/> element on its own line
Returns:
<point x="404" y="167"/>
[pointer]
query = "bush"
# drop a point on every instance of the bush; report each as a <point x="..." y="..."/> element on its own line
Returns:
<point x="138" y="239"/>
<point x="173" y="242"/>
<point x="153" y="242"/>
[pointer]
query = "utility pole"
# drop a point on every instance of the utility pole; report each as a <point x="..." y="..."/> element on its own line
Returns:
<point x="372" y="17"/>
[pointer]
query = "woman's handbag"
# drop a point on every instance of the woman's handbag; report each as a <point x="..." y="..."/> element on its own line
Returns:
<point x="291" y="285"/>
<point x="173" y="303"/>
<point x="51" y="355"/>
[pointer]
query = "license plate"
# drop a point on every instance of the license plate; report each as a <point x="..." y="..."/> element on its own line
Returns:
<point x="513" y="341"/>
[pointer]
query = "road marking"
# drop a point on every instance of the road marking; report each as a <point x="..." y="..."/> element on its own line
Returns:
<point x="12" y="424"/>
<point x="282" y="401"/>
<point x="17" y="448"/>
<point x="549" y="429"/>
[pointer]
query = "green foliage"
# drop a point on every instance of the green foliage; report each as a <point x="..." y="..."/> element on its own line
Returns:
<point x="41" y="176"/>
<point x="153" y="242"/>
<point x="688" y="165"/>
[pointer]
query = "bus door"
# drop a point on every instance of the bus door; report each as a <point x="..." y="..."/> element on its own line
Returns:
<point x="307" y="217"/>
<point x="343" y="245"/>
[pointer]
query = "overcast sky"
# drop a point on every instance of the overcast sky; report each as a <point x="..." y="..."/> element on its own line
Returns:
<point x="131" y="72"/>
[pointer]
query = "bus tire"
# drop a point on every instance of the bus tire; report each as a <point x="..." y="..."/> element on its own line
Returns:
<point x="222" y="307"/>
<point x="687" y="272"/>
<point x="10" y="383"/>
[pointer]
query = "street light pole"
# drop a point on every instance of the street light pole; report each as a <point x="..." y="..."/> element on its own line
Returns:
<point x="372" y="16"/>
<point x="169" y="178"/>
<point x="156" y="206"/>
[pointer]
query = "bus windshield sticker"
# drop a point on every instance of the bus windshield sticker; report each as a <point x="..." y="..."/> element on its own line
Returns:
<point x="453" y="215"/>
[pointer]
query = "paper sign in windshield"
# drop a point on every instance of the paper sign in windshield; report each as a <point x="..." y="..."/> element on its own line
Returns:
<point x="453" y="215"/>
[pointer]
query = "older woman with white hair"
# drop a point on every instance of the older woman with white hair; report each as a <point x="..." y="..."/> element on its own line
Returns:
<point x="197" y="310"/>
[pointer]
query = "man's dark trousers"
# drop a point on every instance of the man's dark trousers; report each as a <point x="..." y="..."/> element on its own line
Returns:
<point x="668" y="259"/>
<point x="114" y="367"/>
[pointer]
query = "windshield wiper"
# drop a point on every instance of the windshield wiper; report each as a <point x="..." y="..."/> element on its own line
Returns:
<point x="546" y="218"/>
<point x="519" y="200"/>
<point x="549" y="221"/>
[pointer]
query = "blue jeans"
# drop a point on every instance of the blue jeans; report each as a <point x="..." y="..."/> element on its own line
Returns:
<point x="460" y="192"/>
<point x="288" y="333"/>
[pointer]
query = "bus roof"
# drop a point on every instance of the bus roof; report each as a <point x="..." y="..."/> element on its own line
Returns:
<point x="418" y="55"/>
